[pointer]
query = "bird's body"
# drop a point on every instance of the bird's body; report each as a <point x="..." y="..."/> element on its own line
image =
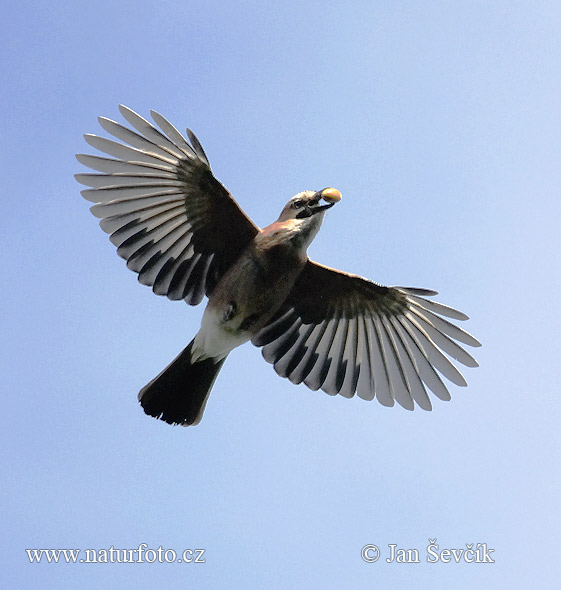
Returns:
<point x="249" y="294"/>
<point x="254" y="287"/>
<point x="179" y="228"/>
<point x="242" y="303"/>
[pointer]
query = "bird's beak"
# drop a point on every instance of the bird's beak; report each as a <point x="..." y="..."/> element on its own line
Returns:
<point x="329" y="195"/>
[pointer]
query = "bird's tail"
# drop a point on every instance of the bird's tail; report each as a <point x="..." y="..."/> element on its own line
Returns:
<point x="179" y="393"/>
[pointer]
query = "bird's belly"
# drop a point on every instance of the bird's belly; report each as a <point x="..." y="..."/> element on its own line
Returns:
<point x="242" y="303"/>
<point x="216" y="339"/>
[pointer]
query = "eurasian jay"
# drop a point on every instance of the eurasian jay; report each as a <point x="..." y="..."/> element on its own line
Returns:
<point x="179" y="228"/>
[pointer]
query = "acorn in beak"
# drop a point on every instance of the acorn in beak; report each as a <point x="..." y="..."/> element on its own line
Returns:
<point x="329" y="195"/>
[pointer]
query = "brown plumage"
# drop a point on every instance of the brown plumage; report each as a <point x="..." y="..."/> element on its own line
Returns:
<point x="178" y="227"/>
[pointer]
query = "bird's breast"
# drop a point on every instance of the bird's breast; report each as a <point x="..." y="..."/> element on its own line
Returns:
<point x="246" y="297"/>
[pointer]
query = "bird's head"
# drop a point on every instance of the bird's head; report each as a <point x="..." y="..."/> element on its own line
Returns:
<point x="310" y="204"/>
<point x="299" y="221"/>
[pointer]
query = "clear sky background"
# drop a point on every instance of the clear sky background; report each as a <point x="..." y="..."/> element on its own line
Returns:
<point x="440" y="122"/>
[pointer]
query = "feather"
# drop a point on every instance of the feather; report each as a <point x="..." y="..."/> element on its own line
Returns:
<point x="378" y="364"/>
<point x="128" y="206"/>
<point x="276" y="328"/>
<point x="273" y="351"/>
<point x="414" y="384"/>
<point x="398" y="382"/>
<point x="123" y="152"/>
<point x="152" y="268"/>
<point x="350" y="368"/>
<point x="439" y="308"/>
<point x="150" y="132"/>
<point x="336" y="373"/>
<point x="425" y="370"/>
<point x="110" y="166"/>
<point x="432" y="352"/>
<point x="158" y="241"/>
<point x="113" y="180"/>
<point x="196" y="285"/>
<point x="122" y="193"/>
<point x="197" y="147"/>
<point x="317" y="375"/>
<point x="169" y="272"/>
<point x="365" y="386"/>
<point x="135" y="140"/>
<point x="446" y="327"/>
<point x="145" y="223"/>
<point x="446" y="344"/>
<point x="287" y="361"/>
<point x="111" y="224"/>
<point x="310" y="356"/>
<point x="173" y="133"/>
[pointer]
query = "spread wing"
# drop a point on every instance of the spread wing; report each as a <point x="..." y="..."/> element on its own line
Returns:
<point x="172" y="221"/>
<point x="344" y="334"/>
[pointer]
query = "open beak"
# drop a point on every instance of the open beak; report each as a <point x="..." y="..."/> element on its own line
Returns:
<point x="329" y="195"/>
<point x="316" y="207"/>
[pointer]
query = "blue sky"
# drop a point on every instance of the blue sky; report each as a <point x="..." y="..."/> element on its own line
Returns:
<point x="440" y="124"/>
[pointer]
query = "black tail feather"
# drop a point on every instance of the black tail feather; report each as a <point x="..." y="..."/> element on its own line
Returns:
<point x="179" y="393"/>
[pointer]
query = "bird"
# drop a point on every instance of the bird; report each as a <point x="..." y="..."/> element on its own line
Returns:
<point x="186" y="237"/>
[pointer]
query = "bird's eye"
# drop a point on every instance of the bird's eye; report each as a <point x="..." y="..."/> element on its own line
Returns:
<point x="298" y="204"/>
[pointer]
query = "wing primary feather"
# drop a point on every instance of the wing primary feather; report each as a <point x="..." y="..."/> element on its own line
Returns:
<point x="408" y="364"/>
<point x="445" y="343"/>
<point x="417" y="291"/>
<point x="123" y="193"/>
<point x="439" y="308"/>
<point x="350" y="363"/>
<point x="332" y="382"/>
<point x="150" y="132"/>
<point x="426" y="371"/>
<point x="398" y="380"/>
<point x="172" y="133"/>
<point x="125" y="152"/>
<point x="134" y="139"/>
<point x="115" y="222"/>
<point x="446" y="327"/>
<point x="433" y="353"/>
<point x="378" y="362"/>
<point x="111" y="166"/>
<point x="118" y="179"/>
<point x="126" y="206"/>
<point x="365" y="388"/>
<point x="197" y="147"/>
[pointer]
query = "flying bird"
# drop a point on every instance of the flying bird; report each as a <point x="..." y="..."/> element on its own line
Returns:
<point x="181" y="230"/>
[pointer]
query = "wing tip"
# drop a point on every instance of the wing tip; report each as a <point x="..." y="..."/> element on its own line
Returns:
<point x="79" y="178"/>
<point x="418" y="291"/>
